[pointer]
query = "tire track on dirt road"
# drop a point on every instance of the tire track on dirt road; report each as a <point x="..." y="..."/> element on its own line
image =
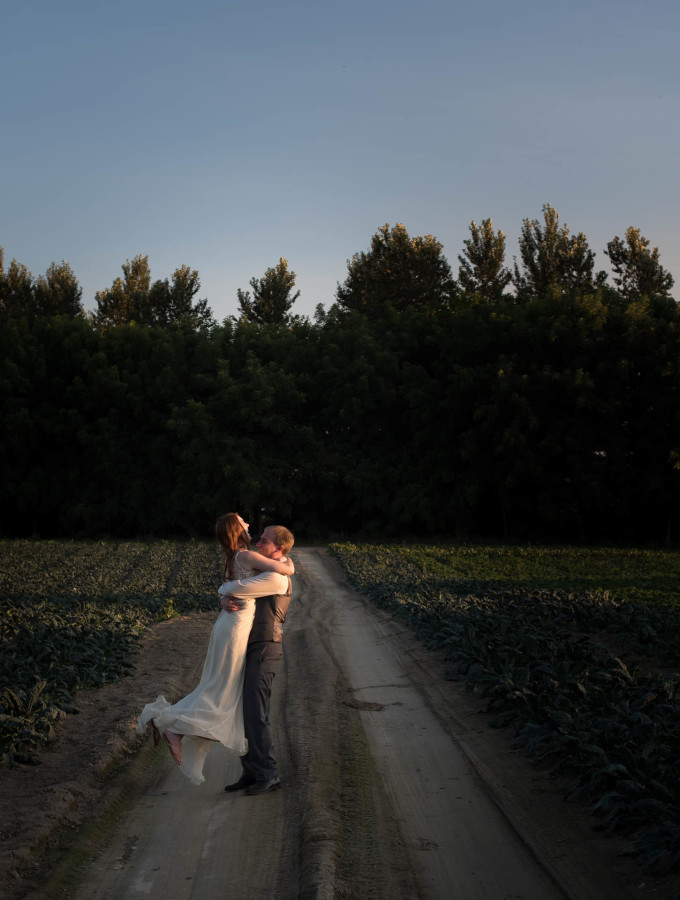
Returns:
<point x="450" y="827"/>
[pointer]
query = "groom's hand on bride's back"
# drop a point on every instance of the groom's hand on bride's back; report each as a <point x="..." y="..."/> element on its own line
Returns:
<point x="231" y="604"/>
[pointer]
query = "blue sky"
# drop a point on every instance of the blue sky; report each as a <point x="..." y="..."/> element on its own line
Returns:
<point x="226" y="135"/>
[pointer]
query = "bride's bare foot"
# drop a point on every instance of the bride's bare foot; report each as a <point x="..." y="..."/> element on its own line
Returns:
<point x="174" y="742"/>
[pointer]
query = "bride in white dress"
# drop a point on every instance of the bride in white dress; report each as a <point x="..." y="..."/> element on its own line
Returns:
<point x="213" y="711"/>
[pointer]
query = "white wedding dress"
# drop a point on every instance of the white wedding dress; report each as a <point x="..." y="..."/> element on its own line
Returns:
<point x="213" y="711"/>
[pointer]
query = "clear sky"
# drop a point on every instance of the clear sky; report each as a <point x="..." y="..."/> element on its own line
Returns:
<point x="224" y="135"/>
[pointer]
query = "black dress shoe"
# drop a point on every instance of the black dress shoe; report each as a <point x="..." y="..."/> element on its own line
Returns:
<point x="264" y="787"/>
<point x="243" y="782"/>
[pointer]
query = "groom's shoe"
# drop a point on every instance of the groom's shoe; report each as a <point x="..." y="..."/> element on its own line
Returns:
<point x="264" y="787"/>
<point x="239" y="785"/>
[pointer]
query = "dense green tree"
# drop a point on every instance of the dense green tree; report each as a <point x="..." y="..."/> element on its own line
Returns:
<point x="133" y="299"/>
<point x="265" y="420"/>
<point x="57" y="293"/>
<point x="171" y="304"/>
<point x="44" y="402"/>
<point x="16" y="289"/>
<point x="552" y="260"/>
<point x="554" y="418"/>
<point x="353" y="406"/>
<point x="637" y="270"/>
<point x="545" y="463"/>
<point x="126" y="301"/>
<point x="482" y="272"/>
<point x="272" y="296"/>
<point x="398" y="271"/>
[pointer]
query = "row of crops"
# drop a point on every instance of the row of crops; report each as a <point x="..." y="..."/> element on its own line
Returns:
<point x="578" y="651"/>
<point x="72" y="615"/>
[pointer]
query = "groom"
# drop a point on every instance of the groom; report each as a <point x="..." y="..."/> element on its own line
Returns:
<point x="272" y="594"/>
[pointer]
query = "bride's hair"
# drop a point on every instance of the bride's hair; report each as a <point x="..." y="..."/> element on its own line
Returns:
<point x="231" y="538"/>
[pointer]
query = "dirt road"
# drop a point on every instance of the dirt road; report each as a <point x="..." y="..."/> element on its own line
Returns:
<point x="394" y="788"/>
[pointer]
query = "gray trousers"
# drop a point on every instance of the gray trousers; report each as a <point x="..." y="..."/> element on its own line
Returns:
<point x="263" y="660"/>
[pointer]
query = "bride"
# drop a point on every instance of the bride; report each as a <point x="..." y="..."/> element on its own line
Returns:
<point x="213" y="711"/>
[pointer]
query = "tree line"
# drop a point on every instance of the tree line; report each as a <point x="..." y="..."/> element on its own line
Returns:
<point x="537" y="402"/>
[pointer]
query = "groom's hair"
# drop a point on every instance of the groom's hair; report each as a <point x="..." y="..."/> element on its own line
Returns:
<point x="284" y="539"/>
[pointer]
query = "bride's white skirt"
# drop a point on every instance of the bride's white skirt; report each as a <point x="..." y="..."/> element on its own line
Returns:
<point x="213" y="711"/>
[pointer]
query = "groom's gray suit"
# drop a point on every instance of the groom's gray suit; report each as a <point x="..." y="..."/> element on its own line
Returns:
<point x="263" y="660"/>
<point x="272" y="593"/>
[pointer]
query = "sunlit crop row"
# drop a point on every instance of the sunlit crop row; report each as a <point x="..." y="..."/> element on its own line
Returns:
<point x="199" y="570"/>
<point x="53" y="568"/>
<point x="71" y="616"/>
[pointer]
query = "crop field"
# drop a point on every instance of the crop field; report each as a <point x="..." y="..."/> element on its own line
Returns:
<point x="71" y="616"/>
<point x="577" y="651"/>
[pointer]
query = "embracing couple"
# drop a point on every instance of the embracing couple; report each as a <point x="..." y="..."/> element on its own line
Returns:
<point x="230" y="705"/>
